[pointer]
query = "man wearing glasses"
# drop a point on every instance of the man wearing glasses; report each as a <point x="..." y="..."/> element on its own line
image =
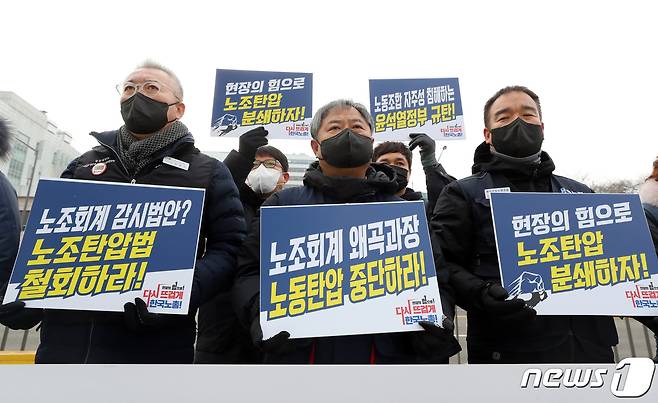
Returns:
<point x="152" y="147"/>
<point x="222" y="340"/>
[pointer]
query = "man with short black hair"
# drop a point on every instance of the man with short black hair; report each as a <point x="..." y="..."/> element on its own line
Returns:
<point x="399" y="157"/>
<point x="502" y="330"/>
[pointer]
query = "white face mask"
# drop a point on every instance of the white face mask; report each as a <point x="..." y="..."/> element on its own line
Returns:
<point x="263" y="180"/>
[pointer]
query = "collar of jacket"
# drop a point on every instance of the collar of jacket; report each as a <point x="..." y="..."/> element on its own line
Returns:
<point x="109" y="140"/>
<point x="484" y="161"/>
<point x="380" y="178"/>
<point x="411" y="195"/>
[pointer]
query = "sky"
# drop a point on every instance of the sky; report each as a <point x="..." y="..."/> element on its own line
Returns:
<point x="593" y="64"/>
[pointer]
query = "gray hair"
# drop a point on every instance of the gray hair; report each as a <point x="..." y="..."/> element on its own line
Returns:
<point x="322" y="113"/>
<point x="150" y="64"/>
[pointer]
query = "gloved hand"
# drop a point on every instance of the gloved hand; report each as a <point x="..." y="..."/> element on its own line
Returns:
<point x="280" y="343"/>
<point x="250" y="141"/>
<point x="650" y="322"/>
<point x="435" y="344"/>
<point x="427" y="148"/>
<point x="138" y="319"/>
<point x="16" y="316"/>
<point x="493" y="299"/>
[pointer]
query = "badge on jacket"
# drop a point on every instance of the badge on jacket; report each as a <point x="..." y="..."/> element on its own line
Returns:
<point x="99" y="169"/>
<point x="176" y="163"/>
<point x="488" y="192"/>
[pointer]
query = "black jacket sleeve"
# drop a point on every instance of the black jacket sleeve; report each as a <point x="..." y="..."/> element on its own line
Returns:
<point x="452" y="225"/>
<point x="239" y="166"/>
<point x="70" y="169"/>
<point x="436" y="179"/>
<point x="225" y="230"/>
<point x="10" y="230"/>
<point x="246" y="289"/>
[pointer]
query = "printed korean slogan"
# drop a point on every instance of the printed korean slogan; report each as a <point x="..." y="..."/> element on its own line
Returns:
<point x="281" y="102"/>
<point x="404" y="106"/>
<point x="97" y="245"/>
<point x="329" y="270"/>
<point x="576" y="254"/>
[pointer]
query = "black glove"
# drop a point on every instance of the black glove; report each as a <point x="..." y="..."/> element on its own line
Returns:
<point x="250" y="141"/>
<point x="280" y="343"/>
<point x="16" y="316"/>
<point x="493" y="299"/>
<point x="435" y="344"/>
<point x="649" y="321"/>
<point x="138" y="319"/>
<point x="427" y="148"/>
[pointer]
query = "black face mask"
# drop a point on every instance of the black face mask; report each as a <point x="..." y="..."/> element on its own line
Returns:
<point x="347" y="149"/>
<point x="518" y="139"/>
<point x="144" y="115"/>
<point x="400" y="176"/>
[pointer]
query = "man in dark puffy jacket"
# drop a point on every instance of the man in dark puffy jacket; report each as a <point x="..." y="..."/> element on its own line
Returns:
<point x="153" y="147"/>
<point x="221" y="338"/>
<point x="500" y="330"/>
<point x="342" y="141"/>
<point x="14" y="314"/>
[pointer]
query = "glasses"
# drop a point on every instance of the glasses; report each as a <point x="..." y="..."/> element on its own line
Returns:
<point x="148" y="88"/>
<point x="272" y="163"/>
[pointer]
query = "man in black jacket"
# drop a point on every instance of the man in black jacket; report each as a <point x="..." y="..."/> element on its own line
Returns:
<point x="221" y="338"/>
<point x="399" y="157"/>
<point x="14" y="314"/>
<point x="342" y="141"/>
<point x="153" y="147"/>
<point x="500" y="330"/>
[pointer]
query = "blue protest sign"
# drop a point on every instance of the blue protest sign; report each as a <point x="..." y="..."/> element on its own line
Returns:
<point x="403" y="106"/>
<point x="329" y="270"/>
<point x="281" y="102"/>
<point x="97" y="245"/>
<point x="576" y="254"/>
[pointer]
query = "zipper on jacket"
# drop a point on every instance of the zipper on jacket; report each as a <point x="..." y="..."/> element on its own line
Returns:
<point x="117" y="155"/>
<point x="133" y="180"/>
<point x="91" y="331"/>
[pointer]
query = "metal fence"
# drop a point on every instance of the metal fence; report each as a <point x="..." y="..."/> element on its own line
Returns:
<point x="634" y="339"/>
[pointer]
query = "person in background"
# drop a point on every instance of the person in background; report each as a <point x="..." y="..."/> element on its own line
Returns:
<point x="221" y="339"/>
<point x="14" y="315"/>
<point x="399" y="157"/>
<point x="649" y="198"/>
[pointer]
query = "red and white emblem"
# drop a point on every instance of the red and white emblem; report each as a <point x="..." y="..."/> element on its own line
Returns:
<point x="99" y="169"/>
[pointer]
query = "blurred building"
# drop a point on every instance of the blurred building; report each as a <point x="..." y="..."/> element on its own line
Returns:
<point x="39" y="148"/>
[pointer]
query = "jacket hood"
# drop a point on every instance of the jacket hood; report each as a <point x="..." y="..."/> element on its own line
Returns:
<point x="380" y="178"/>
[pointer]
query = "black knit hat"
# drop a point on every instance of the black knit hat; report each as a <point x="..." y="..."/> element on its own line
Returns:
<point x="274" y="153"/>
